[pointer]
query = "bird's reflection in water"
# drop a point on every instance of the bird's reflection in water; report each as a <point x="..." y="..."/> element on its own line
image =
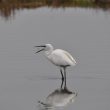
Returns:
<point x="58" y="98"/>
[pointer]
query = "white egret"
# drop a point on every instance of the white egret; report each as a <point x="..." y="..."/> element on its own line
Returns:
<point x="58" y="57"/>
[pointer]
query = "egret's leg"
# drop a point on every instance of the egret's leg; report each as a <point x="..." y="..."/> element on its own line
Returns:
<point x="62" y="77"/>
<point x="65" y="77"/>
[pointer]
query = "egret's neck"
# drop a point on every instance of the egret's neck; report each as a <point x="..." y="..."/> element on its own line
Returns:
<point x="48" y="52"/>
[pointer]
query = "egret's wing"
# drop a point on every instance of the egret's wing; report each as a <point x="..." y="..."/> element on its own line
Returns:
<point x="61" y="57"/>
<point x="69" y="56"/>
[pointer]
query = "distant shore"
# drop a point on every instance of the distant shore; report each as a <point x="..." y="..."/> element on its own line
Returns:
<point x="7" y="7"/>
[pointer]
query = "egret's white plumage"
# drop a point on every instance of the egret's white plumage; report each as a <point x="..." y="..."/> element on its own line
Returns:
<point x="58" y="57"/>
<point x="61" y="58"/>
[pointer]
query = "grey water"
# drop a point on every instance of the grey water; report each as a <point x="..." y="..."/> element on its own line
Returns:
<point x="26" y="77"/>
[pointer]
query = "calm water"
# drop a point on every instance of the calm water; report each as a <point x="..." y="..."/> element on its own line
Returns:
<point x="26" y="78"/>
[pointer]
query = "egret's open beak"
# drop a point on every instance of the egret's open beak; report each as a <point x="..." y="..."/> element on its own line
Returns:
<point x="41" y="49"/>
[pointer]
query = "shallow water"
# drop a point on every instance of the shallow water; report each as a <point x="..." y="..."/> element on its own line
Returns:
<point x="26" y="78"/>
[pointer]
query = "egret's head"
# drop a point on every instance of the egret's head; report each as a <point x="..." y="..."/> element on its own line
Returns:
<point x="48" y="47"/>
<point x="45" y="47"/>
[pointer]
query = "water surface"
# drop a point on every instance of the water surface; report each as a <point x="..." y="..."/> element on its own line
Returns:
<point x="26" y="78"/>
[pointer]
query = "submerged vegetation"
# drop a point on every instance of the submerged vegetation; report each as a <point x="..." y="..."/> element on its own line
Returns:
<point x="8" y="7"/>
